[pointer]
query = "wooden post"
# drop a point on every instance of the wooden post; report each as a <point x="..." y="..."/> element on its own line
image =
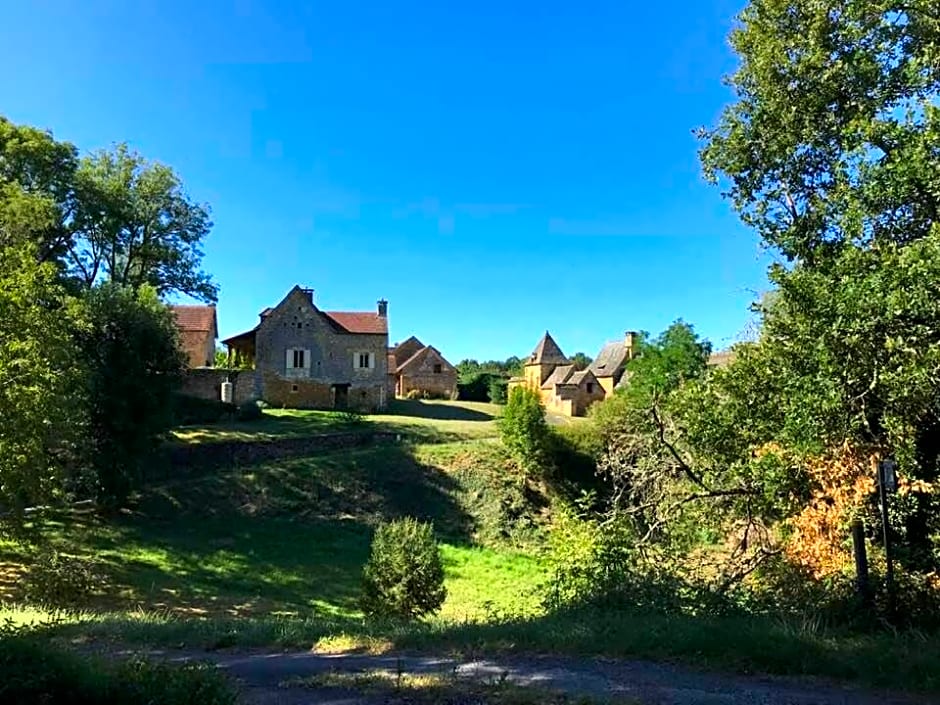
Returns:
<point x="861" y="561"/>
<point x="879" y="468"/>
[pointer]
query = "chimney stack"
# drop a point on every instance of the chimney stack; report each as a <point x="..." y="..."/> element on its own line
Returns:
<point x="383" y="308"/>
<point x="629" y="341"/>
<point x="309" y="294"/>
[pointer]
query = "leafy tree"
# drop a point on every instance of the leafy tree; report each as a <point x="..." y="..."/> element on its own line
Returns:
<point x="41" y="400"/>
<point x="658" y="368"/>
<point x="130" y="345"/>
<point x="136" y="226"/>
<point x="404" y="577"/>
<point x="832" y="152"/>
<point x="581" y="361"/>
<point x="36" y="189"/>
<point x="524" y="431"/>
<point x="833" y="138"/>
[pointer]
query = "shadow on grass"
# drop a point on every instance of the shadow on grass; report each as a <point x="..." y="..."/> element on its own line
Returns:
<point x="443" y="412"/>
<point x="289" y="537"/>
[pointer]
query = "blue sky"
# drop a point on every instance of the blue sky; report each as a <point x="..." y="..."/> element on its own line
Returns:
<point x="493" y="169"/>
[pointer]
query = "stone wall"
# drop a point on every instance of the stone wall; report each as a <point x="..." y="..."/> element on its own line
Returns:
<point x="442" y="385"/>
<point x="206" y="383"/>
<point x="296" y="324"/>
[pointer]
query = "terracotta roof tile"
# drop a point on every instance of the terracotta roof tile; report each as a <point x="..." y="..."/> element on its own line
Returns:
<point x="195" y="318"/>
<point x="360" y="321"/>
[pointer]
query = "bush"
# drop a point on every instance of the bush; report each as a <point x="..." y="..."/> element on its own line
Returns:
<point x="193" y="410"/>
<point x="574" y="450"/>
<point x="59" y="581"/>
<point x="130" y="344"/>
<point x="475" y="387"/>
<point x="249" y="411"/>
<point x="524" y="431"/>
<point x="35" y="671"/>
<point x="498" y="390"/>
<point x="404" y="577"/>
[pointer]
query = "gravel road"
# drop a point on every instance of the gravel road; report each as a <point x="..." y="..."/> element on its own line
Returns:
<point x="262" y="676"/>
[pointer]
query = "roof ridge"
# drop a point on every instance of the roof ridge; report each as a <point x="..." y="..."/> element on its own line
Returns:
<point x="413" y="357"/>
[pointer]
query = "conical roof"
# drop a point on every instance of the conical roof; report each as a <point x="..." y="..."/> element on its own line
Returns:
<point x="547" y="352"/>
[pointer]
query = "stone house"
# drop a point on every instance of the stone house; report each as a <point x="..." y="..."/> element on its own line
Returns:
<point x="611" y="362"/>
<point x="414" y="366"/>
<point x="566" y="390"/>
<point x="563" y="389"/>
<point x="198" y="328"/>
<point x="305" y="357"/>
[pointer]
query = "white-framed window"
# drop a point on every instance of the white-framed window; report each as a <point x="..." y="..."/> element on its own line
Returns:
<point x="297" y="362"/>
<point x="363" y="360"/>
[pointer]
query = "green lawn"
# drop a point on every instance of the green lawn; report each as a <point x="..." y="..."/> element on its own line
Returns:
<point x="290" y="538"/>
<point x="419" y="421"/>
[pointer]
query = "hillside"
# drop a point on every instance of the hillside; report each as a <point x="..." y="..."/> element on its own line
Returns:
<point x="290" y="537"/>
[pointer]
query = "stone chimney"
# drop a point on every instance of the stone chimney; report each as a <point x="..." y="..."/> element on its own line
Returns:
<point x="383" y="308"/>
<point x="309" y="294"/>
<point x="630" y="340"/>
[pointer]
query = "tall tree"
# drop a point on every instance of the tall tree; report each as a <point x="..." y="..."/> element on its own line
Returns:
<point x="834" y="136"/>
<point x="37" y="198"/>
<point x="41" y="381"/>
<point x="135" y="226"/>
<point x="831" y="151"/>
<point x="134" y="365"/>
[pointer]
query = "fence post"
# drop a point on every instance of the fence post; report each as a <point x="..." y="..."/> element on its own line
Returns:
<point x="861" y="561"/>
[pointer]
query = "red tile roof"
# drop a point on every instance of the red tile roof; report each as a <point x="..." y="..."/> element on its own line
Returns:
<point x="360" y="322"/>
<point x="195" y="318"/>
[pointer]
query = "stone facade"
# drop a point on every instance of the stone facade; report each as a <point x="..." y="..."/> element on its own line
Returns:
<point x="308" y="358"/>
<point x="421" y="368"/>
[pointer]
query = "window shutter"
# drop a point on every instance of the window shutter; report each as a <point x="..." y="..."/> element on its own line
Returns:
<point x="355" y="361"/>
<point x="289" y="362"/>
<point x="371" y="361"/>
<point x="306" y="359"/>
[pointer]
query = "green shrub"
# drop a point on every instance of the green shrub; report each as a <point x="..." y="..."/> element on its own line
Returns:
<point x="249" y="411"/>
<point x="524" y="431"/>
<point x="498" y="390"/>
<point x="193" y="410"/>
<point x="60" y="581"/>
<point x="34" y="671"/>
<point x="404" y="577"/>
<point x="131" y="348"/>
<point x="574" y="450"/>
<point x="475" y="386"/>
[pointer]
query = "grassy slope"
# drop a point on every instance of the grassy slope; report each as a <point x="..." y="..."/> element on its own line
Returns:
<point x="290" y="538"/>
<point x="271" y="555"/>
<point x="427" y="421"/>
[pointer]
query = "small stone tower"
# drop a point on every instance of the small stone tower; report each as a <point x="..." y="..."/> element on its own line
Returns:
<point x="543" y="360"/>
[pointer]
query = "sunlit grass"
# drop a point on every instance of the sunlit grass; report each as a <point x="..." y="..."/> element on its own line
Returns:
<point x="420" y="421"/>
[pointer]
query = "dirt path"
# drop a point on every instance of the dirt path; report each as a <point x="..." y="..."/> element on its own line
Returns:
<point x="649" y="683"/>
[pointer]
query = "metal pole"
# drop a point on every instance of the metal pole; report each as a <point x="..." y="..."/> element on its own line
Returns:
<point x="886" y="529"/>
